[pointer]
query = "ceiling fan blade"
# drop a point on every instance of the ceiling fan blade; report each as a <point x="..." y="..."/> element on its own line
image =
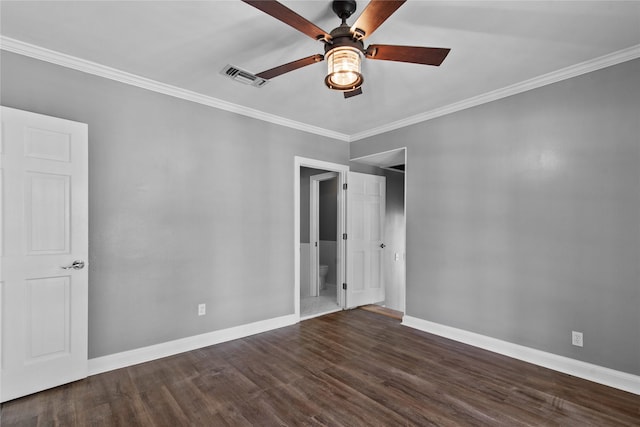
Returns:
<point x="413" y="54"/>
<point x="289" y="17"/>
<point x="285" y="68"/>
<point x="376" y="12"/>
<point x="352" y="93"/>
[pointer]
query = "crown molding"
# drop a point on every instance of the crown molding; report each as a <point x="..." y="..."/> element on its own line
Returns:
<point x="68" y="61"/>
<point x="614" y="58"/>
<point x="37" y="52"/>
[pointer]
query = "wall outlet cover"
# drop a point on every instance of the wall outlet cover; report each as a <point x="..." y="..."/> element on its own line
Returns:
<point x="576" y="338"/>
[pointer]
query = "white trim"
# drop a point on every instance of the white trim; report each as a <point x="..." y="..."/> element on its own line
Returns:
<point x="376" y="154"/>
<point x="145" y="354"/>
<point x="614" y="58"/>
<point x="599" y="374"/>
<point x="403" y="297"/>
<point x="324" y="313"/>
<point x="68" y="61"/>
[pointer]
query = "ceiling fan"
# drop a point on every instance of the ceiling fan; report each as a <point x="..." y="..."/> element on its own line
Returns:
<point x="343" y="46"/>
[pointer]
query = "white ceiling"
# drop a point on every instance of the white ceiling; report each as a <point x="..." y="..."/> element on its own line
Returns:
<point x="186" y="43"/>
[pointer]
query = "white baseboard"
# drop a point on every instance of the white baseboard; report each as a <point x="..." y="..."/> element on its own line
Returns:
<point x="145" y="354"/>
<point x="587" y="371"/>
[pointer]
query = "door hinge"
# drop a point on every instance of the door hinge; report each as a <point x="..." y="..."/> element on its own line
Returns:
<point x="344" y="236"/>
<point x="344" y="286"/>
<point x="316" y="244"/>
<point x="344" y="186"/>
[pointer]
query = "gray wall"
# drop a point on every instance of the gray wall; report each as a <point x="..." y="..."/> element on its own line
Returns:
<point x="394" y="230"/>
<point x="188" y="204"/>
<point x="523" y="217"/>
<point x="328" y="210"/>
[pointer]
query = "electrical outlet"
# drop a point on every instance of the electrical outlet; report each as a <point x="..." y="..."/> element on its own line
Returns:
<point x="576" y="338"/>
<point x="202" y="309"/>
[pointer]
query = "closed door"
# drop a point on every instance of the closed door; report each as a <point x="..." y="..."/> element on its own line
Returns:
<point x="365" y="234"/>
<point x="43" y="272"/>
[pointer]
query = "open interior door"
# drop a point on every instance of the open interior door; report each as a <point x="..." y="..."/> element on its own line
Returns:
<point x="44" y="234"/>
<point x="365" y="234"/>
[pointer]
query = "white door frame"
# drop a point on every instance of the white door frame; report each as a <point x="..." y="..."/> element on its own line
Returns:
<point x="314" y="228"/>
<point x="342" y="170"/>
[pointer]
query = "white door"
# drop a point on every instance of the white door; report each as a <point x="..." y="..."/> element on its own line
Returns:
<point x="44" y="230"/>
<point x="365" y="233"/>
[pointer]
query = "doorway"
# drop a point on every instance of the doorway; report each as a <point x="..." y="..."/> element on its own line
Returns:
<point x="323" y="233"/>
<point x="308" y="292"/>
<point x="318" y="242"/>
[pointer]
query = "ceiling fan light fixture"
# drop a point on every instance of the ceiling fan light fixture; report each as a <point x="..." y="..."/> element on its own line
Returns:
<point x="343" y="64"/>
<point x="344" y="45"/>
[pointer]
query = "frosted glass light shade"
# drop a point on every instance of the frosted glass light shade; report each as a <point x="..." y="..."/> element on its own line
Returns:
<point x="343" y="68"/>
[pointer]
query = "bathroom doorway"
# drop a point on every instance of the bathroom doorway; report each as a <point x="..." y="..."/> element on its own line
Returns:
<point x="323" y="234"/>
<point x="319" y="242"/>
<point x="320" y="213"/>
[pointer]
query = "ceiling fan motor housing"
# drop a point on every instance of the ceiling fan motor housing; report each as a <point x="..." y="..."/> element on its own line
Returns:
<point x="344" y="8"/>
<point x="342" y="36"/>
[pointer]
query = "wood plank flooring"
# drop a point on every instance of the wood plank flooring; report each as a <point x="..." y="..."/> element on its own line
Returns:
<point x="351" y="368"/>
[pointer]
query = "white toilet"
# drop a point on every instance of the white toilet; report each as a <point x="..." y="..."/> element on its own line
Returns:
<point x="322" y="272"/>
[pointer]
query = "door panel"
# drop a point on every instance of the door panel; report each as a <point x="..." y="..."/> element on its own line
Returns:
<point x="47" y="144"/>
<point x="47" y="213"/>
<point x="365" y="230"/>
<point x="44" y="225"/>
<point x="48" y="305"/>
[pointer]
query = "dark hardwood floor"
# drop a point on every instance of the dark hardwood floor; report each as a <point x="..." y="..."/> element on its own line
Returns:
<point x="353" y="368"/>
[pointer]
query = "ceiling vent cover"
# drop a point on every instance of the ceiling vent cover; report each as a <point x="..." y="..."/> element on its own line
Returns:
<point x="243" y="76"/>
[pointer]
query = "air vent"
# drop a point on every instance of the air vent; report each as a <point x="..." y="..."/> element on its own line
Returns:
<point x="243" y="76"/>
